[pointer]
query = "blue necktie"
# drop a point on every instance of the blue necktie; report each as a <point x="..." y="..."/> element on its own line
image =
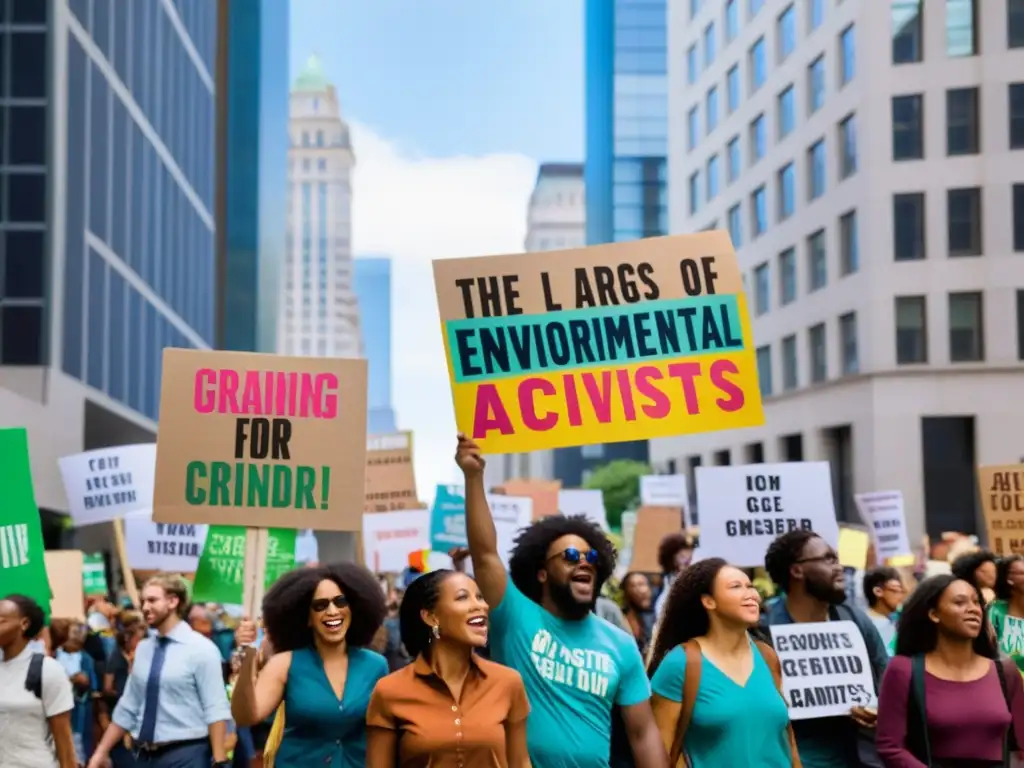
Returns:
<point x="147" y="733"/>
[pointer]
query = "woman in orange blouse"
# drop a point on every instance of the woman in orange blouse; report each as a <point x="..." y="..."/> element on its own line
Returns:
<point x="450" y="708"/>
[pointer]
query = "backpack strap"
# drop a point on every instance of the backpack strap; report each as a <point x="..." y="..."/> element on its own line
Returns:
<point x="772" y="660"/>
<point x="917" y="713"/>
<point x="34" y="676"/>
<point x="691" y="684"/>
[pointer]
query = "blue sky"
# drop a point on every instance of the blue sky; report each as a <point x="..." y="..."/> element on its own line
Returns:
<point x="452" y="77"/>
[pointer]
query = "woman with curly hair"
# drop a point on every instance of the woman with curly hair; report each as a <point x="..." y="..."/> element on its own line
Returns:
<point x="319" y="621"/>
<point x="1006" y="612"/>
<point x="705" y="668"/>
<point x="443" y="623"/>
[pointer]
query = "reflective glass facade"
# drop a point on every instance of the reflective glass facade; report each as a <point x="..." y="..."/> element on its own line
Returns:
<point x="373" y="289"/>
<point x="139" y="239"/>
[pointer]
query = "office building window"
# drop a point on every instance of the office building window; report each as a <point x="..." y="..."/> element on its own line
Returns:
<point x="849" y="244"/>
<point x="817" y="261"/>
<point x="818" y="353"/>
<point x="848" y="343"/>
<point x="790" y="367"/>
<point x="732" y="20"/>
<point x="847" y="55"/>
<point x="786" y="191"/>
<point x="1015" y="23"/>
<point x="911" y="330"/>
<point x="692" y="127"/>
<point x="758" y="65"/>
<point x="907" y="38"/>
<point x="764" y="369"/>
<point x="1020" y="324"/>
<point x="908" y="219"/>
<point x="1016" y="95"/>
<point x="592" y="451"/>
<point x="710" y="48"/>
<point x="758" y="212"/>
<point x="754" y="7"/>
<point x="963" y="217"/>
<point x="713" y="177"/>
<point x="816" y="85"/>
<point x="758" y="138"/>
<point x="848" y="146"/>
<point x="762" y="289"/>
<point x="711" y="107"/>
<point x="787" y="276"/>
<point x="816" y="170"/>
<point x="736" y="226"/>
<point x="787" y="112"/>
<point x="694" y="8"/>
<point x="785" y="33"/>
<point x="815" y="14"/>
<point x="966" y="328"/>
<point x="1018" y="217"/>
<point x="692" y="64"/>
<point x="734" y="163"/>
<point x="908" y="127"/>
<point x="732" y="88"/>
<point x="961" y="28"/>
<point x="694" y="192"/>
<point x="962" y="131"/>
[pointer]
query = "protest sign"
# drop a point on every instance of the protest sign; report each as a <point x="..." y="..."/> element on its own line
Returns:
<point x="261" y="441"/>
<point x="448" y="519"/>
<point x="853" y="548"/>
<point x="746" y="507"/>
<point x="22" y="563"/>
<point x="826" y="670"/>
<point x="511" y="514"/>
<point x="883" y="514"/>
<point x="1002" y="500"/>
<point x="65" y="567"/>
<point x="390" y="537"/>
<point x="586" y="502"/>
<point x="168" y="547"/>
<point x="663" y="491"/>
<point x="625" y="341"/>
<point x="108" y="483"/>
<point x="390" y="477"/>
<point x="94" y="576"/>
<point x="219" y="574"/>
<point x="544" y="494"/>
<point x="652" y="525"/>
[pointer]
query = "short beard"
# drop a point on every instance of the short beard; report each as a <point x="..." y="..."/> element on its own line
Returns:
<point x="570" y="608"/>
<point x="825" y="592"/>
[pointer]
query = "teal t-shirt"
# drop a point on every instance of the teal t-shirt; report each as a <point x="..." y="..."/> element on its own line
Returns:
<point x="574" y="671"/>
<point x="720" y="734"/>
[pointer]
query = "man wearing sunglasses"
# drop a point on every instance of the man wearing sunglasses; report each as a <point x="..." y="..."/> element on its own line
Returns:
<point x="575" y="665"/>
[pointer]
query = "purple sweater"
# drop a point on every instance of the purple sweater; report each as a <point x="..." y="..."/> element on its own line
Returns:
<point x="966" y="721"/>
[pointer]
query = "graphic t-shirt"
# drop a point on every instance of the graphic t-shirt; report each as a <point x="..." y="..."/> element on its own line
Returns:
<point x="1009" y="632"/>
<point x="574" y="671"/>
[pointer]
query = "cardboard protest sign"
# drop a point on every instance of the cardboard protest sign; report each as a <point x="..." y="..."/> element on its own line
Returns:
<point x="262" y="441"/>
<point x="884" y="515"/>
<point x="390" y="477"/>
<point x="584" y="501"/>
<point x="1002" y="501"/>
<point x="448" y="519"/>
<point x="652" y="525"/>
<point x="64" y="568"/>
<point x="167" y="547"/>
<point x="826" y="670"/>
<point x="663" y="491"/>
<point x="626" y="341"/>
<point x="544" y="494"/>
<point x="94" y="576"/>
<point x="746" y="507"/>
<point x="390" y="537"/>
<point x="221" y="568"/>
<point x="22" y="563"/>
<point x="108" y="483"/>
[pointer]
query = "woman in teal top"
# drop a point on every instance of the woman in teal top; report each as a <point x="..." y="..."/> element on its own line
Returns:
<point x="732" y="712"/>
<point x="319" y="621"/>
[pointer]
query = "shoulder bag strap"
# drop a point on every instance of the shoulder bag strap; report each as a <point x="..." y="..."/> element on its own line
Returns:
<point x="1005" y="667"/>
<point x="691" y="684"/>
<point x="772" y="660"/>
<point x="917" y="711"/>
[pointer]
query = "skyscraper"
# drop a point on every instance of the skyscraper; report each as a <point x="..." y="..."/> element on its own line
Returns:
<point x="373" y="289"/>
<point x="320" y="313"/>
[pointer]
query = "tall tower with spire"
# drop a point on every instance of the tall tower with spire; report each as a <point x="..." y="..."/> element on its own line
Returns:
<point x="319" y="313"/>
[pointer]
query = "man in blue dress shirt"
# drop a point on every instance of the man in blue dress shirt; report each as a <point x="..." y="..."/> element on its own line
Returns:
<point x="175" y="706"/>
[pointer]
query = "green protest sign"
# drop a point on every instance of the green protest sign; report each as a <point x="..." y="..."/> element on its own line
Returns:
<point x="95" y="576"/>
<point x="220" y="571"/>
<point x="22" y="563"/>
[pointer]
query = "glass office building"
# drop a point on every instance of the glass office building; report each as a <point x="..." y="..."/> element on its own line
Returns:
<point x="373" y="288"/>
<point x="138" y="251"/>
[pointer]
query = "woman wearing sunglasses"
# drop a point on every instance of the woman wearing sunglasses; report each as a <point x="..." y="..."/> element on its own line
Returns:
<point x="319" y="620"/>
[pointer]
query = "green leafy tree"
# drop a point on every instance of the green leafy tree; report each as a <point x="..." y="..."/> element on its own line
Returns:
<point x="619" y="480"/>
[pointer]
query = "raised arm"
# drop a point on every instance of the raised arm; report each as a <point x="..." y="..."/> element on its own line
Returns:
<point x="488" y="569"/>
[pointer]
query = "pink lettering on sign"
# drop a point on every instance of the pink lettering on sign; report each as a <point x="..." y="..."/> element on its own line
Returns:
<point x="408" y="533"/>
<point x="287" y="394"/>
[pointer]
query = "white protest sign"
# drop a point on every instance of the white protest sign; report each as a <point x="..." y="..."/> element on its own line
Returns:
<point x="389" y="537"/>
<point x="882" y="512"/>
<point x="510" y="514"/>
<point x="162" y="546"/>
<point x="826" y="670"/>
<point x="108" y="483"/>
<point x="746" y="507"/>
<point x="664" y="491"/>
<point x="586" y="502"/>
<point x="307" y="549"/>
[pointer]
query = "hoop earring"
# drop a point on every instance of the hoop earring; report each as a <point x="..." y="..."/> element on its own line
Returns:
<point x="436" y="631"/>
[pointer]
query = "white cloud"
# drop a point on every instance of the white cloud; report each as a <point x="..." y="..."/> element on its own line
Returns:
<point x="416" y="209"/>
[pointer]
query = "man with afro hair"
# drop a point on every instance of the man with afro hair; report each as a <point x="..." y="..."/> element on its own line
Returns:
<point x="576" y="666"/>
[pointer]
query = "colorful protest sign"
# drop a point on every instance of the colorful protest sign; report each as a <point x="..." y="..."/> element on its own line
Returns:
<point x="883" y="513"/>
<point x="22" y="562"/>
<point x="746" y="507"/>
<point x="108" y="483"/>
<point x="221" y="568"/>
<point x="389" y="538"/>
<point x="1002" y="501"/>
<point x="627" y="341"/>
<point x="825" y="668"/>
<point x="390" y="477"/>
<point x="853" y="548"/>
<point x="64" y="568"/>
<point x="168" y="547"/>
<point x="262" y="441"/>
<point x="94" y="576"/>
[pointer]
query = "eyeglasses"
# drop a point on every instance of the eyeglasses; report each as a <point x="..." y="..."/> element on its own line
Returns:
<point x="573" y="556"/>
<point x="829" y="559"/>
<point x="320" y="604"/>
